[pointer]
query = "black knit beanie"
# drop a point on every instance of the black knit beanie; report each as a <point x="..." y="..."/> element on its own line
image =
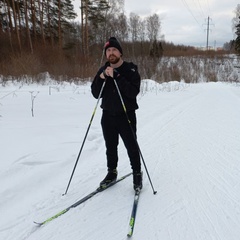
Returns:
<point x="113" y="42"/>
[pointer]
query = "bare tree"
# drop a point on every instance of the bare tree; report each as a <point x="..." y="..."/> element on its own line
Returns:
<point x="118" y="26"/>
<point x="116" y="21"/>
<point x="142" y="30"/>
<point x="116" y="7"/>
<point x="153" y="27"/>
<point x="134" y="26"/>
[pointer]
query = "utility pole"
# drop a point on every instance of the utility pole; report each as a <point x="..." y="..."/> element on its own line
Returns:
<point x="208" y="29"/>
<point x="207" y="32"/>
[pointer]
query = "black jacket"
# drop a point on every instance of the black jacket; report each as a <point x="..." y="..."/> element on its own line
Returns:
<point x="128" y="81"/>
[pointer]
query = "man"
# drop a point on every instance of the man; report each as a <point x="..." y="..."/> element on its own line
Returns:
<point x="115" y="120"/>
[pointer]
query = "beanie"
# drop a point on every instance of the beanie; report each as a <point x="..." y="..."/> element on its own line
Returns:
<point x="113" y="42"/>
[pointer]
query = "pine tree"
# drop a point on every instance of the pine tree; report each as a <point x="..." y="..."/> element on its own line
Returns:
<point x="237" y="41"/>
<point x="93" y="22"/>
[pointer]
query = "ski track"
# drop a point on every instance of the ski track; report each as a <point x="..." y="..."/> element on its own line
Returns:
<point x="202" y="174"/>
<point x="192" y="153"/>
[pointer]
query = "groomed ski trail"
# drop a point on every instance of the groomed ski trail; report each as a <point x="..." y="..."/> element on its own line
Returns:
<point x="190" y="140"/>
<point x="197" y="166"/>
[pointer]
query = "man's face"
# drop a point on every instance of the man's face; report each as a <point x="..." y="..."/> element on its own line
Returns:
<point x="113" y="55"/>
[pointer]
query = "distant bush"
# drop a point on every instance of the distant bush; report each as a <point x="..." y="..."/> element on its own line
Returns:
<point x="191" y="69"/>
<point x="169" y="63"/>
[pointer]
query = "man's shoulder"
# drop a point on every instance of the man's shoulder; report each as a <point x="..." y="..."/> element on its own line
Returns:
<point x="131" y="66"/>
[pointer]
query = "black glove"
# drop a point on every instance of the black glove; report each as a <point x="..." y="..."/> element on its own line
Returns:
<point x="104" y="74"/>
<point x="115" y="74"/>
<point x="107" y="64"/>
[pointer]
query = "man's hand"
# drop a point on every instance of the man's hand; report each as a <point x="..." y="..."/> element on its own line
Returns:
<point x="108" y="72"/>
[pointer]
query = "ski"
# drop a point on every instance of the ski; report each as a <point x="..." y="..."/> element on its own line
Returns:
<point x="134" y="212"/>
<point x="84" y="199"/>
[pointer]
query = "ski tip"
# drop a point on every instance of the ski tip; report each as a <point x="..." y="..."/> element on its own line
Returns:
<point x="38" y="224"/>
<point x="129" y="235"/>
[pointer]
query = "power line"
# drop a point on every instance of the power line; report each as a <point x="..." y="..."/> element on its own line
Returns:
<point x="202" y="9"/>
<point x="197" y="9"/>
<point x="202" y="12"/>
<point x="188" y="8"/>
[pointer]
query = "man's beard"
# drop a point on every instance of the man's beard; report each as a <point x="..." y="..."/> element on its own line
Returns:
<point x="113" y="59"/>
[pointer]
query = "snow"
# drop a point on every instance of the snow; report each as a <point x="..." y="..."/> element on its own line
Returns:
<point x="189" y="136"/>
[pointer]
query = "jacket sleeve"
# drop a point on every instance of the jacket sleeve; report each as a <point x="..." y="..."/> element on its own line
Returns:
<point x="97" y="83"/>
<point x="129" y="85"/>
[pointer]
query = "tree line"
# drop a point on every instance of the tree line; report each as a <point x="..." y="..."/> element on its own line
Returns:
<point x="26" y="24"/>
<point x="45" y="36"/>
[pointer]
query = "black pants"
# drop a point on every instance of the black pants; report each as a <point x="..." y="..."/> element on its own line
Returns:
<point x="113" y="126"/>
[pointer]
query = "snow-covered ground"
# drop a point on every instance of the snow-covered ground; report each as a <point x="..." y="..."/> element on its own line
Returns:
<point x="190" y="139"/>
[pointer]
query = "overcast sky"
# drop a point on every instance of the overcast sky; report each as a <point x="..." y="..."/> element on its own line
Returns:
<point x="185" y="21"/>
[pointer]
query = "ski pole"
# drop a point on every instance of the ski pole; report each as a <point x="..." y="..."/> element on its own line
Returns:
<point x="84" y="139"/>
<point x="134" y="136"/>
<point x="89" y="125"/>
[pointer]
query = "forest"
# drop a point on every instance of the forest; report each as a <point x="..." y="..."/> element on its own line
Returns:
<point x="42" y="36"/>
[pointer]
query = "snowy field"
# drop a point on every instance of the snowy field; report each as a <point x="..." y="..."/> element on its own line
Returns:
<point x="190" y="139"/>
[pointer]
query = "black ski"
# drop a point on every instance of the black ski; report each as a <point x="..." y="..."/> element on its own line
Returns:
<point x="82" y="200"/>
<point x="134" y="212"/>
